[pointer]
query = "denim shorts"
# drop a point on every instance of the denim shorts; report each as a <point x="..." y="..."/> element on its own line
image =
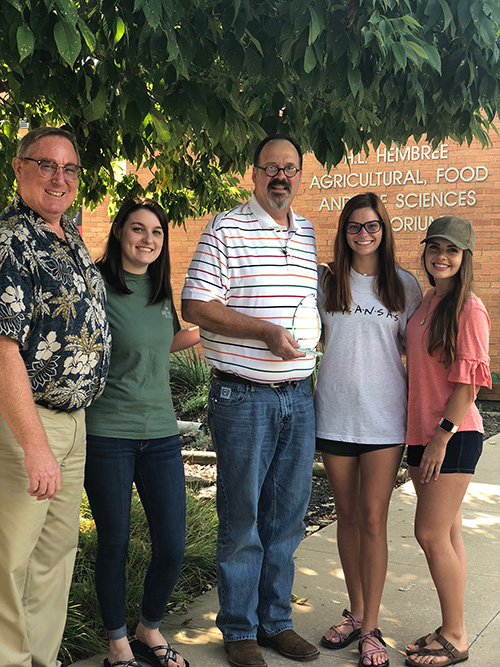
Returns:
<point x="462" y="453"/>
<point x="339" y="448"/>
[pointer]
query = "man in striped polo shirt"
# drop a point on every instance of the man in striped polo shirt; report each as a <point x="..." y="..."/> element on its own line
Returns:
<point x="252" y="267"/>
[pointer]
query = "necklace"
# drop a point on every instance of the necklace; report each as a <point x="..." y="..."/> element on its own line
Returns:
<point x="422" y="322"/>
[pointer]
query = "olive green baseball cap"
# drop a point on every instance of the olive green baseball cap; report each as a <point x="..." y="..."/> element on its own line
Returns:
<point x="457" y="230"/>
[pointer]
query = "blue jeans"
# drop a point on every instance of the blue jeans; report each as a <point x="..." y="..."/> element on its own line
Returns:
<point x="264" y="439"/>
<point x="113" y="465"/>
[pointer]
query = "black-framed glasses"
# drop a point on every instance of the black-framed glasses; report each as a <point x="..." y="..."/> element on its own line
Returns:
<point x="273" y="170"/>
<point x="371" y="227"/>
<point x="49" y="168"/>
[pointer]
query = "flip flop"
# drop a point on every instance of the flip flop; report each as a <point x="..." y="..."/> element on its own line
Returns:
<point x="422" y="642"/>
<point x="144" y="652"/>
<point x="345" y="639"/>
<point x="453" y="654"/>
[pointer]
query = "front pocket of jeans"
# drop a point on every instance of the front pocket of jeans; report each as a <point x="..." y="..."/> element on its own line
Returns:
<point x="225" y="395"/>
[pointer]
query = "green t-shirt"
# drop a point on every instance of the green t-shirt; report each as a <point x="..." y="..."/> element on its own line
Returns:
<point x="136" y="402"/>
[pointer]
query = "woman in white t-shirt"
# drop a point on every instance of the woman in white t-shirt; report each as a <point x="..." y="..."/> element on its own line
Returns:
<point x="365" y="301"/>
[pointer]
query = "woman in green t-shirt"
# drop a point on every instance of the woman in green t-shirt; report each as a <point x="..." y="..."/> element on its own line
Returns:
<point x="132" y="434"/>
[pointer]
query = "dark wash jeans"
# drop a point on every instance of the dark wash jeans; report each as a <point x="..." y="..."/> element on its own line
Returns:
<point x="113" y="464"/>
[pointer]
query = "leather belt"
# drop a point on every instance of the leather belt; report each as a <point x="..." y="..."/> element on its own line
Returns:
<point x="229" y="377"/>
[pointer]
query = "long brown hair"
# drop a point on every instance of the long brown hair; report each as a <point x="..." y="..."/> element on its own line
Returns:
<point x="443" y="330"/>
<point x="336" y="282"/>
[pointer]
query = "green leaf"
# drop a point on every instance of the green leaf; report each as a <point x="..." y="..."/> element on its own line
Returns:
<point x="172" y="46"/>
<point x="421" y="52"/>
<point x="151" y="10"/>
<point x="400" y="55"/>
<point x="119" y="29"/>
<point x="447" y="15"/>
<point x="309" y="59"/>
<point x="487" y="33"/>
<point x="433" y="12"/>
<point x="315" y="26"/>
<point x="68" y="11"/>
<point x="87" y="34"/>
<point x="463" y="13"/>
<point x="255" y="42"/>
<point x="253" y="107"/>
<point x="476" y="11"/>
<point x="492" y="9"/>
<point x="354" y="79"/>
<point x="97" y="108"/>
<point x="68" y="42"/>
<point x="160" y="125"/>
<point x="433" y="57"/>
<point x="237" y="4"/>
<point x="253" y="62"/>
<point x="25" y="42"/>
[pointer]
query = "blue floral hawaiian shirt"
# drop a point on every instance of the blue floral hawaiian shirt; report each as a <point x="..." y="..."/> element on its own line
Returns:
<point x="52" y="302"/>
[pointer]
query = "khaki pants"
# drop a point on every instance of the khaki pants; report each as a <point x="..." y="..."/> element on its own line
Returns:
<point x="38" y="541"/>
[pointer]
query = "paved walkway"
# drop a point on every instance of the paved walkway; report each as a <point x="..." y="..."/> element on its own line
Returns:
<point x="409" y="606"/>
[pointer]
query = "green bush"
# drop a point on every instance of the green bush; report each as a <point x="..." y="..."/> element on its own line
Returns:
<point x="189" y="380"/>
<point x="189" y="372"/>
<point x="84" y="634"/>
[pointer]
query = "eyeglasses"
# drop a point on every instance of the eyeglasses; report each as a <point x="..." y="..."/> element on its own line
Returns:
<point x="355" y="227"/>
<point x="49" y="168"/>
<point x="273" y="170"/>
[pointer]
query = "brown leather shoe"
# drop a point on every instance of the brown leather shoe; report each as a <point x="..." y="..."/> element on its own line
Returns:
<point x="290" y="645"/>
<point x="244" y="653"/>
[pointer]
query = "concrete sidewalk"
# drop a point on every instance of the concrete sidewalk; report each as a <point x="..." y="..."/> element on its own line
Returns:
<point x="409" y="606"/>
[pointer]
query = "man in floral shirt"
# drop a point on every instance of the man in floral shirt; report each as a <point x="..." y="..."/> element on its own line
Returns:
<point x="54" y="351"/>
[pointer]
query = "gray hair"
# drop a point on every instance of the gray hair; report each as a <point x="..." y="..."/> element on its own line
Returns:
<point x="29" y="139"/>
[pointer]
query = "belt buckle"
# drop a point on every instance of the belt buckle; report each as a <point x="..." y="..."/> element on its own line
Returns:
<point x="277" y="385"/>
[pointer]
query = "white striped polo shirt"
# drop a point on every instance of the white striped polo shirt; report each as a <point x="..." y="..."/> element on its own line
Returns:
<point x="250" y="263"/>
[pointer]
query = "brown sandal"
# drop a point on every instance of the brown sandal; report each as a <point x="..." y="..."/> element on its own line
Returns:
<point x="339" y="629"/>
<point x="453" y="654"/>
<point x="422" y="642"/>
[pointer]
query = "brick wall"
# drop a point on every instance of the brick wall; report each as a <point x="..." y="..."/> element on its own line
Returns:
<point x="417" y="184"/>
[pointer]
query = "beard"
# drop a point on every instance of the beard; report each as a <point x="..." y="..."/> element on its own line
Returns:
<point x="281" y="199"/>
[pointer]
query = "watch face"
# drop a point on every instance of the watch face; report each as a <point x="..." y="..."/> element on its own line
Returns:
<point x="448" y="426"/>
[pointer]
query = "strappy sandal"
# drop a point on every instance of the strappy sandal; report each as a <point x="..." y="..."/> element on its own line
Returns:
<point x="144" y="652"/>
<point x="448" y="651"/>
<point x="422" y="642"/>
<point x="339" y="629"/>
<point x="125" y="663"/>
<point x="377" y="645"/>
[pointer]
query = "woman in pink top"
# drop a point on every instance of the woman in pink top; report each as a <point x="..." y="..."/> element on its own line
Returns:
<point x="447" y="355"/>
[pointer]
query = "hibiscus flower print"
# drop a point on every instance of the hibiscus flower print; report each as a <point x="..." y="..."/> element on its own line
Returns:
<point x="13" y="298"/>
<point x="47" y="346"/>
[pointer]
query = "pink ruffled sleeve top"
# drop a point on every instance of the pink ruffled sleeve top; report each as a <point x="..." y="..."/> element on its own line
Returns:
<point x="431" y="385"/>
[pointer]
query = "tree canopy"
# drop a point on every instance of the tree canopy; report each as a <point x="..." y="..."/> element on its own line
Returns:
<point x="188" y="87"/>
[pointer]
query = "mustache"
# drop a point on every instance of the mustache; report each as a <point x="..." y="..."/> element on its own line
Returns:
<point x="279" y="181"/>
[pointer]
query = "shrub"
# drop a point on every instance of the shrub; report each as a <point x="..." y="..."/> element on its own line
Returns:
<point x="189" y="372"/>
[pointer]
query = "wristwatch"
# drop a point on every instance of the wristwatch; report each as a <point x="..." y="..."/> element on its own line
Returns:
<point x="447" y="425"/>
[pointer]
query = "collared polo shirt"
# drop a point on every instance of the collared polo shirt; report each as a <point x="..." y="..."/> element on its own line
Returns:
<point x="52" y="302"/>
<point x="250" y="263"/>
